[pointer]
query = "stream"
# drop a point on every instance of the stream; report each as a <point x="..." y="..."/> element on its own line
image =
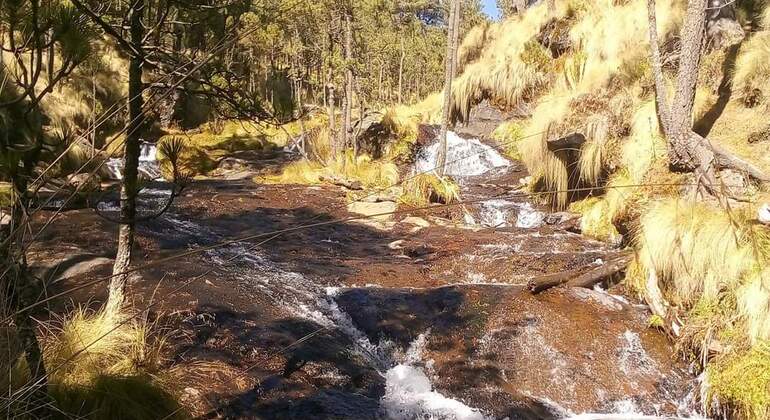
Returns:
<point x="411" y="323"/>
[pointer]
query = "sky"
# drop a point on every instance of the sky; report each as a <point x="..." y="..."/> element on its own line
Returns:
<point x="490" y="8"/>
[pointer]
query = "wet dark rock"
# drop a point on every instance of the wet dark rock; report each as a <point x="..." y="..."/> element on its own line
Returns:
<point x="492" y="346"/>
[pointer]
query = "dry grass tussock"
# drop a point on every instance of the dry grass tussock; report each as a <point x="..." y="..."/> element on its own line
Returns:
<point x="99" y="369"/>
<point x="711" y="263"/>
<point x="751" y="79"/>
<point x="595" y="88"/>
<point x="401" y="122"/>
<point x="424" y="189"/>
<point x="371" y="173"/>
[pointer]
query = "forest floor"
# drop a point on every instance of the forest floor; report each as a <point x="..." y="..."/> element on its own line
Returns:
<point x="317" y="321"/>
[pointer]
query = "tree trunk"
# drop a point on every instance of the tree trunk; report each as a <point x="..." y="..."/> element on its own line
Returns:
<point x="332" y="122"/>
<point x="401" y="73"/>
<point x="348" y="79"/>
<point x="117" y="286"/>
<point x="451" y="57"/>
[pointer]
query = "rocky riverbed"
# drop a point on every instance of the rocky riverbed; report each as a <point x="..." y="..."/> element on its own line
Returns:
<point x="414" y="316"/>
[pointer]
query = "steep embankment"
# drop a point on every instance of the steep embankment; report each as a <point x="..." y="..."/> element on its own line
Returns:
<point x="578" y="82"/>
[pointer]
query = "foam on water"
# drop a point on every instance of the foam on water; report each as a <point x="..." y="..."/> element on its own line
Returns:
<point x="465" y="157"/>
<point x="528" y="217"/>
<point x="148" y="165"/>
<point x="409" y="393"/>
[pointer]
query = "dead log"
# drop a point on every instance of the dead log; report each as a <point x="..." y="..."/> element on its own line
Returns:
<point x="580" y="277"/>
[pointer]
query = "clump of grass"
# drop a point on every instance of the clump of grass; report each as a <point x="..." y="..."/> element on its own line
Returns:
<point x="427" y="188"/>
<point x="710" y="263"/>
<point x="100" y="367"/>
<point x="499" y="72"/>
<point x="536" y="56"/>
<point x="596" y="221"/>
<point x="509" y="134"/>
<point x="741" y="381"/>
<point x="751" y="78"/>
<point x="370" y="173"/>
<point x="698" y="251"/>
<point x="401" y="124"/>
<point x="6" y="195"/>
<point x="191" y="159"/>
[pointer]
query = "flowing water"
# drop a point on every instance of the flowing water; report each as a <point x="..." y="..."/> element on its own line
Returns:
<point x="459" y="351"/>
<point x="149" y="168"/>
<point x="474" y="165"/>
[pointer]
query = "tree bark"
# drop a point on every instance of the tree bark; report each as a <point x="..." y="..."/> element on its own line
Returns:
<point x="348" y="129"/>
<point x="129" y="189"/>
<point x="451" y="58"/>
<point x="580" y="277"/>
<point x="401" y="72"/>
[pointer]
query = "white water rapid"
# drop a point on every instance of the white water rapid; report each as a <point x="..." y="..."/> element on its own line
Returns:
<point x="148" y="164"/>
<point x="465" y="157"/>
<point x="470" y="158"/>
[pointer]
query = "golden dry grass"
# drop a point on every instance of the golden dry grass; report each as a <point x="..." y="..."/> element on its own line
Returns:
<point x="99" y="368"/>
<point x="371" y="173"/>
<point x="424" y="189"/>
<point x="751" y="78"/>
<point x="699" y="253"/>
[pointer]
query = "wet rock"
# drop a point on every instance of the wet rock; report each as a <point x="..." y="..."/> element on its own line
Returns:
<point x="602" y="299"/>
<point x="493" y="346"/>
<point x="417" y="221"/>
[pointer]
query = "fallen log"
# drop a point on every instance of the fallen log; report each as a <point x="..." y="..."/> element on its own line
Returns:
<point x="580" y="277"/>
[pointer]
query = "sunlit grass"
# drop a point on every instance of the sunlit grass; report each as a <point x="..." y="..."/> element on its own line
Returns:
<point x="98" y="367"/>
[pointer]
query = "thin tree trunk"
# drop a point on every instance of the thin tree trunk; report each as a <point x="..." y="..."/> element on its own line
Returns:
<point x="348" y="129"/>
<point x="117" y="286"/>
<point x="451" y="54"/>
<point x="401" y="72"/>
<point x="379" y="84"/>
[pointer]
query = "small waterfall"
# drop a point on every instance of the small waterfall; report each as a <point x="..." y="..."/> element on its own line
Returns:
<point x="409" y="393"/>
<point x="498" y="213"/>
<point x="465" y="157"/>
<point x="470" y="158"/>
<point x="148" y="165"/>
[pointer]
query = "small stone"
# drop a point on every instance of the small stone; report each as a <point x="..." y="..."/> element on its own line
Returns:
<point x="378" y="211"/>
<point x="396" y="244"/>
<point x="763" y="214"/>
<point x="417" y="221"/>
